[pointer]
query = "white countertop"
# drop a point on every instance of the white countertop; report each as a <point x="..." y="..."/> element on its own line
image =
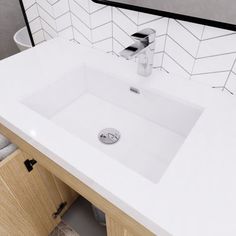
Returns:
<point x="196" y="196"/>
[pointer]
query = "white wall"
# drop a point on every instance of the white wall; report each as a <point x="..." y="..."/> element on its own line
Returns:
<point x="194" y="51"/>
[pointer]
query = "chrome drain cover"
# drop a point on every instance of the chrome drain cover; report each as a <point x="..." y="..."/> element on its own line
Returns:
<point x="109" y="136"/>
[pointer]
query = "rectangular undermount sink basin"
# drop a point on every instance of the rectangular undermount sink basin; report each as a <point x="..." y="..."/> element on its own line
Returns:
<point x="152" y="125"/>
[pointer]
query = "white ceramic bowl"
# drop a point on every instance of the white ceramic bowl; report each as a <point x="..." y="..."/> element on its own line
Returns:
<point x="22" y="39"/>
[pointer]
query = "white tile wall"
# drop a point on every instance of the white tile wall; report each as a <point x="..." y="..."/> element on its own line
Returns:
<point x="194" y="51"/>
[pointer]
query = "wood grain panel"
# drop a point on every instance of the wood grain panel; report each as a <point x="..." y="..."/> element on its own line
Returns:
<point x="114" y="228"/>
<point x="30" y="192"/>
<point x="14" y="221"/>
<point x="50" y="185"/>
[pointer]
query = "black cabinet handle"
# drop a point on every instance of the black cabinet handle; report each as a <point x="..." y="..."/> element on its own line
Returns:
<point x="29" y="164"/>
<point x="59" y="210"/>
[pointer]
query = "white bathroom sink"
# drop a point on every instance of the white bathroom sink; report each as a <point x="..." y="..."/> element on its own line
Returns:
<point x="152" y="125"/>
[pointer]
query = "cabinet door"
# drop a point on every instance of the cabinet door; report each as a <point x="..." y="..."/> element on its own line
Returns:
<point x="59" y="192"/>
<point x="29" y="190"/>
<point x="13" y="219"/>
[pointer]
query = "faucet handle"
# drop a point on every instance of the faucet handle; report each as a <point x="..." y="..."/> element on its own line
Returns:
<point x="146" y="35"/>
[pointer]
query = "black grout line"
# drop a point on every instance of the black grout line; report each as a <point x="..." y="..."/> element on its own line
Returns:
<point x="216" y="55"/>
<point x="116" y="54"/>
<point x="156" y="67"/>
<point x="72" y="13"/>
<point x="167" y="28"/>
<point x="178" y="22"/>
<point x="67" y="27"/>
<point x="26" y="9"/>
<point x="211" y="72"/>
<point x="162" y="68"/>
<point x="87" y="26"/>
<point x="101" y="40"/>
<point x="228" y="90"/>
<point x="119" y="43"/>
<point x="55" y="30"/>
<point x="35" y="32"/>
<point x="49" y="14"/>
<point x="48" y="34"/>
<point x="160" y="35"/>
<point x="177" y="63"/>
<point x="37" y="17"/>
<point x="100" y="9"/>
<point x="150" y="21"/>
<point x="40" y="21"/>
<point x="137" y="23"/>
<point x="158" y="52"/>
<point x="90" y="23"/>
<point x="168" y="36"/>
<point x="63" y="14"/>
<point x="222" y="89"/>
<point x="96" y="27"/>
<point x="122" y="30"/>
<point x="45" y="31"/>
<point x="82" y="35"/>
<point x="118" y="9"/>
<point x="226" y="81"/>
<point x="88" y="12"/>
<point x="138" y="19"/>
<point x="43" y="36"/>
<point x="75" y="40"/>
<point x="112" y="30"/>
<point x="69" y="6"/>
<point x="80" y="6"/>
<point x="52" y="4"/>
<point x="198" y="48"/>
<point x="220" y="36"/>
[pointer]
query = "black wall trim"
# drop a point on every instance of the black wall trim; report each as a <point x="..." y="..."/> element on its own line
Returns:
<point x="170" y="15"/>
<point x="27" y="22"/>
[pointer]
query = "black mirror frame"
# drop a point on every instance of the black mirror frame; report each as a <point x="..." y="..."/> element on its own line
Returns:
<point x="145" y="10"/>
<point x="192" y="19"/>
<point x="27" y="22"/>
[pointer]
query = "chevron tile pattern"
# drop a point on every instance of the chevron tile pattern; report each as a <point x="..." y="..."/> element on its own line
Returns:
<point x="201" y="53"/>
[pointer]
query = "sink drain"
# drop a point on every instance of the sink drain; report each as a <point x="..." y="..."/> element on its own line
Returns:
<point x="109" y="136"/>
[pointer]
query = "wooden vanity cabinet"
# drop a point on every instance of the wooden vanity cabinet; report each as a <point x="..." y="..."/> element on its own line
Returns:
<point x="118" y="223"/>
<point x="30" y="200"/>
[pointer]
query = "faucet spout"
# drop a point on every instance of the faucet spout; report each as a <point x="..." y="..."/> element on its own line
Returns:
<point x="143" y="48"/>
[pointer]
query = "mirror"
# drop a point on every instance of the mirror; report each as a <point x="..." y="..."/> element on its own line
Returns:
<point x="217" y="13"/>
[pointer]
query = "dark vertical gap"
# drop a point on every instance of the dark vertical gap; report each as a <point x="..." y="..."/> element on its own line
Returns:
<point x="112" y="31"/>
<point x="26" y="22"/>
<point x="197" y="52"/>
<point x="164" y="49"/>
<point x="72" y="26"/>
